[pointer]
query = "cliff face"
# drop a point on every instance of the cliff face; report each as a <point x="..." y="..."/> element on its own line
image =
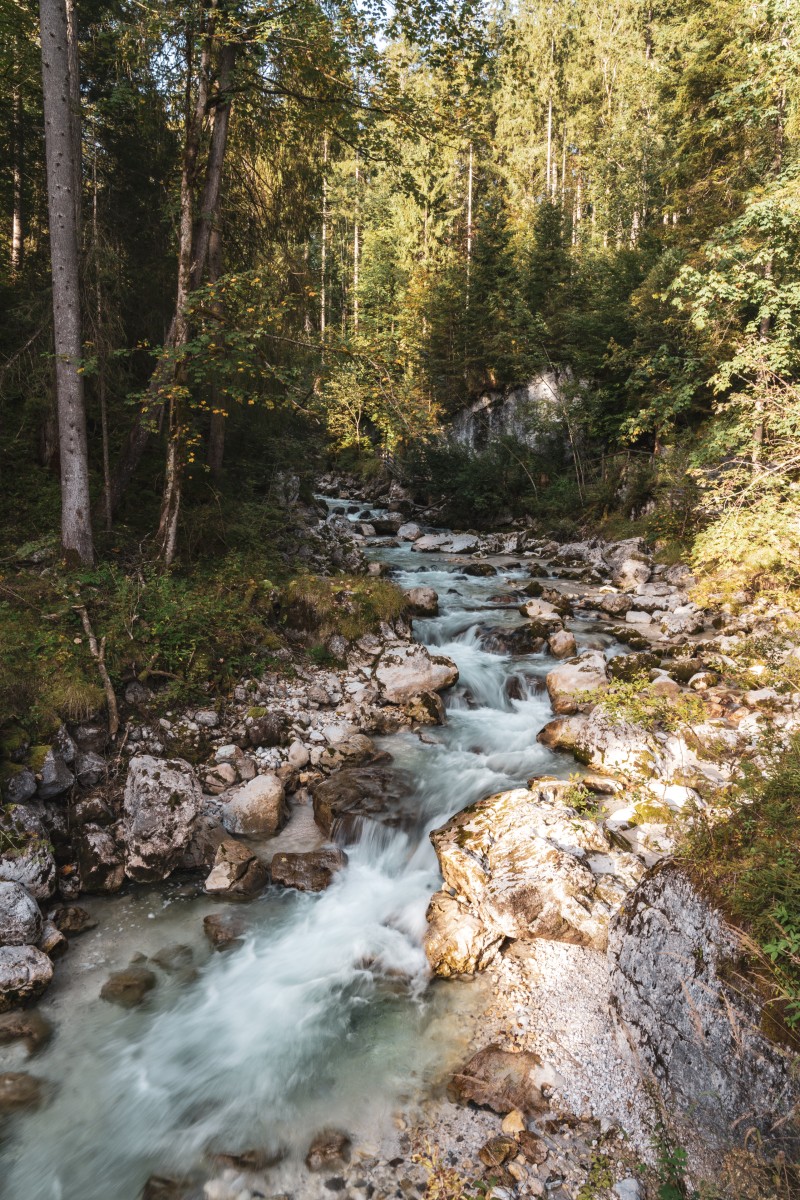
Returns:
<point x="520" y="412"/>
<point x="694" y="1024"/>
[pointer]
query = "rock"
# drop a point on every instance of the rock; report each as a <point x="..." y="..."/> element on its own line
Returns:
<point x="532" y="1148"/>
<point x="19" y="1091"/>
<point x="616" y="747"/>
<point x="683" y="621"/>
<point x="516" y="861"/>
<point x="497" y="1150"/>
<point x="698" y="1025"/>
<point x="167" y="1187"/>
<point x="19" y="784"/>
<point x="55" y="777"/>
<point x="629" y="563"/>
<point x="162" y="803"/>
<point x="175" y="959"/>
<point x="267" y="730"/>
<point x="458" y="942"/>
<point x="206" y="718"/>
<point x="351" y="794"/>
<point x="20" y="918"/>
<point x="128" y="987"/>
<point x="25" y="972"/>
<point x="90" y="768"/>
<point x="423" y="601"/>
<point x="52" y="942"/>
<point x="513" y="1123"/>
<point x="73" y="920"/>
<point x="256" y="808"/>
<point x="237" y="871"/>
<point x="615" y="605"/>
<point x="91" y="737"/>
<point x="500" y="1080"/>
<point x="525" y="639"/>
<point x="91" y="811"/>
<point x="407" y="671"/>
<point x="136" y="694"/>
<point x="223" y="932"/>
<point x="330" y="1148"/>
<point x="298" y="756"/>
<point x="409" y="532"/>
<point x="679" y="576"/>
<point x="100" y="860"/>
<point x="542" y="612"/>
<point x="664" y="686"/>
<point x="634" y="617"/>
<point x="562" y="644"/>
<point x="628" y="1189"/>
<point x="562" y="732"/>
<point x="388" y="526"/>
<point x="569" y="684"/>
<point x="207" y="835"/>
<point x="479" y="569"/>
<point x="28" y="857"/>
<point x="220" y="777"/>
<point x="311" y="871"/>
<point x="628" y="666"/>
<point x="28" y="1027"/>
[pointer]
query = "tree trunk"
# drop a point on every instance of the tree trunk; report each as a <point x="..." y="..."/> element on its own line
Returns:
<point x="470" y="180"/>
<point x="216" y="433"/>
<point x="17" y="150"/>
<point x="209" y="204"/>
<point x="75" y="110"/>
<point x="356" y="254"/>
<point x="324" y="238"/>
<point x="76" y="527"/>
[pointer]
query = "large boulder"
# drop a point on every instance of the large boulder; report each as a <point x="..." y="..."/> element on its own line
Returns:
<point x="310" y="871"/>
<point x="457" y="942"/>
<point x="542" y="612"/>
<point x="25" y="972"/>
<point x="570" y="684"/>
<point x="410" y="532"/>
<point x="20" y="918"/>
<point x="256" y="808"/>
<point x="28" y="855"/>
<point x="162" y="802"/>
<point x="55" y="777"/>
<point x="423" y="602"/>
<point x="526" y="865"/>
<point x="616" y="747"/>
<point x="629" y="563"/>
<point x="696" y="1022"/>
<point x="404" y="672"/>
<point x="349" y="796"/>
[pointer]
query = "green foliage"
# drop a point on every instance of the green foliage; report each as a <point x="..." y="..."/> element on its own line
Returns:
<point x="749" y="860"/>
<point x="349" y="605"/>
<point x="631" y="700"/>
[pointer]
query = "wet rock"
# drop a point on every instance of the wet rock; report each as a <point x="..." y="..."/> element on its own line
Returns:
<point x="90" y="768"/>
<point x="615" y="605"/>
<point x="223" y="931"/>
<point x="364" y="792"/>
<point x="457" y="941"/>
<point x="174" y="959"/>
<point x="543" y="613"/>
<point x="19" y="1091"/>
<point x="562" y="644"/>
<point x="162" y="803"/>
<point x="423" y="601"/>
<point x="207" y="835"/>
<point x="100" y="860"/>
<point x="55" y="777"/>
<point x="517" y="860"/>
<point x="697" y="1024"/>
<point x="525" y="639"/>
<point x="28" y="1027"/>
<point x="409" y="532"/>
<point x="407" y="671"/>
<point x="330" y="1148"/>
<point x="25" y="972"/>
<point x="20" y="918"/>
<point x="388" y="526"/>
<point x="128" y="988"/>
<point x="52" y="942"/>
<point x="562" y="732"/>
<point x="425" y="709"/>
<point x="73" y="920"/>
<point x="312" y="871"/>
<point x="167" y="1187"/>
<point x="501" y="1080"/>
<point x="479" y="569"/>
<point x="237" y="871"/>
<point x="569" y="684"/>
<point x="267" y="730"/>
<point x="256" y="808"/>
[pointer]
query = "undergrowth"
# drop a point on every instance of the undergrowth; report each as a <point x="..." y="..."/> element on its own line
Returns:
<point x="748" y="861"/>
<point x="629" y="700"/>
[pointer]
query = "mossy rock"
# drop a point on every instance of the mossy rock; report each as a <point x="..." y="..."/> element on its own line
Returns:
<point x="628" y="666"/>
<point x="14" y="742"/>
<point x="36" y="757"/>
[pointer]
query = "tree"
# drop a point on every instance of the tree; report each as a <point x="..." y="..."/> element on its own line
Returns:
<point x="63" y="172"/>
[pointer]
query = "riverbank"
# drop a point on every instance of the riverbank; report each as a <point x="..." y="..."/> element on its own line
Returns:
<point x="363" y="749"/>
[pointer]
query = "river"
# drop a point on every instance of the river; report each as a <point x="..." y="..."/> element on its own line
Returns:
<point x="296" y="1030"/>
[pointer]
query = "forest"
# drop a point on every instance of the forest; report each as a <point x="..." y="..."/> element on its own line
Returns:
<point x="400" y="491"/>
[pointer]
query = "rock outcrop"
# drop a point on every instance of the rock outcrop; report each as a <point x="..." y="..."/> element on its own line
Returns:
<point x="20" y="918"/>
<point x="407" y="671"/>
<point x="162" y="803"/>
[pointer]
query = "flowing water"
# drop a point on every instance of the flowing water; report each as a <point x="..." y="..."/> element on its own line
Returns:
<point x="325" y="1014"/>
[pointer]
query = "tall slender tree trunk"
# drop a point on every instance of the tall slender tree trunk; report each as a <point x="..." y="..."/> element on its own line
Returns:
<point x="167" y="536"/>
<point x="17" y="165"/>
<point x="470" y="182"/>
<point x="62" y="174"/>
<point x="324" y="239"/>
<point x="549" y="143"/>
<point x="100" y="347"/>
<point x="356" y="252"/>
<point x="216" y="433"/>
